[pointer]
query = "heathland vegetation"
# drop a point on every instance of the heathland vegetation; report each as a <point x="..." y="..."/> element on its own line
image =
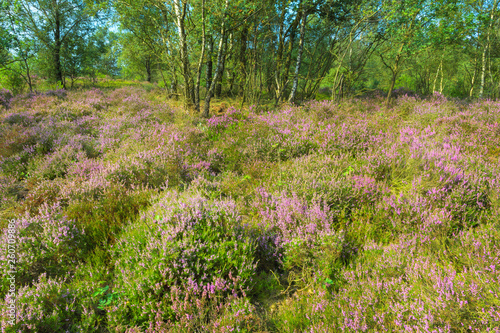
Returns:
<point x="133" y="215"/>
<point x="284" y="166"/>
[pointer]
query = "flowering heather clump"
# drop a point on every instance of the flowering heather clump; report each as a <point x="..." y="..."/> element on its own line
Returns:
<point x="47" y="243"/>
<point x="400" y="288"/>
<point x="47" y="305"/>
<point x="231" y="116"/>
<point x="293" y="218"/>
<point x="60" y="304"/>
<point x="59" y="93"/>
<point x="193" y="254"/>
<point x="5" y="97"/>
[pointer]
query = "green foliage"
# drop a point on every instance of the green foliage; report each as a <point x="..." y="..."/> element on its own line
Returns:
<point x="193" y="252"/>
<point x="103" y="218"/>
<point x="11" y="79"/>
<point x="318" y="263"/>
<point x="106" y="298"/>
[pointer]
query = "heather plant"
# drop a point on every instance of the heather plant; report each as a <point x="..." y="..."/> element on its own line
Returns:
<point x="191" y="253"/>
<point x="229" y="120"/>
<point x="390" y="288"/>
<point x="307" y="243"/>
<point x="22" y="118"/>
<point x="55" y="164"/>
<point x="48" y="305"/>
<point x="37" y="193"/>
<point x="238" y="314"/>
<point x="59" y="93"/>
<point x="5" y="97"/>
<point x="60" y="304"/>
<point x="14" y="138"/>
<point x="103" y="217"/>
<point x="270" y="138"/>
<point x="10" y="189"/>
<point x="47" y="243"/>
<point x="335" y="180"/>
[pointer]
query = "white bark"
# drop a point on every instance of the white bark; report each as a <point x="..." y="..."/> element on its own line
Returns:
<point x="291" y="99"/>
<point x="218" y="69"/>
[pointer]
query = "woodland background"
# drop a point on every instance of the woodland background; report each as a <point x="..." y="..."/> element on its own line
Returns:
<point x="265" y="50"/>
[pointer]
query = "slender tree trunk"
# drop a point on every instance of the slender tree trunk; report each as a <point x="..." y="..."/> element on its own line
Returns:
<point x="28" y="75"/>
<point x="335" y="80"/>
<point x="441" y="83"/>
<point x="147" y="63"/>
<point x="200" y="62"/>
<point x="291" y="98"/>
<point x="220" y="55"/>
<point x="180" y="13"/>
<point x="488" y="32"/>
<point x="394" y="71"/>
<point x="341" y="86"/>
<point x="243" y="62"/>
<point x="483" y="71"/>
<point x="289" y="57"/>
<point x="57" y="47"/>
<point x="253" y="73"/>
<point x="437" y="75"/>
<point x="391" y="88"/>
<point x="218" y="87"/>
<point x="492" y="82"/>
<point x="473" y="79"/>
<point x="209" y="74"/>
<point x="279" y="58"/>
<point x="173" y="83"/>
<point x="284" y="58"/>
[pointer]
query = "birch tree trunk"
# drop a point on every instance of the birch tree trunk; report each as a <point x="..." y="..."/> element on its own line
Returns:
<point x="57" y="45"/>
<point x="218" y="69"/>
<point x="293" y="92"/>
<point x="200" y="62"/>
<point x="473" y="79"/>
<point x="180" y="8"/>
<point x="486" y="47"/>
<point x="483" y="68"/>
<point x="437" y="75"/>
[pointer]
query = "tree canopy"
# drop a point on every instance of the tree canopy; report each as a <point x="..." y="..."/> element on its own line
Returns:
<point x="256" y="50"/>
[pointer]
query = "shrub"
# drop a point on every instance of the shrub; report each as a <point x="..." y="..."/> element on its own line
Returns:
<point x="39" y="192"/>
<point x="49" y="243"/>
<point x="59" y="304"/>
<point x="191" y="253"/>
<point x="5" y="97"/>
<point x="55" y="164"/>
<point x="103" y="217"/>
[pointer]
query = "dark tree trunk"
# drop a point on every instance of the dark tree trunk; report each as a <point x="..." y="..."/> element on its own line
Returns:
<point x="218" y="69"/>
<point x="57" y="50"/>
<point x="209" y="63"/>
<point x="395" y="71"/>
<point x="28" y="75"/>
<point x="243" y="62"/>
<point x="148" y="69"/>
<point x="218" y="88"/>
